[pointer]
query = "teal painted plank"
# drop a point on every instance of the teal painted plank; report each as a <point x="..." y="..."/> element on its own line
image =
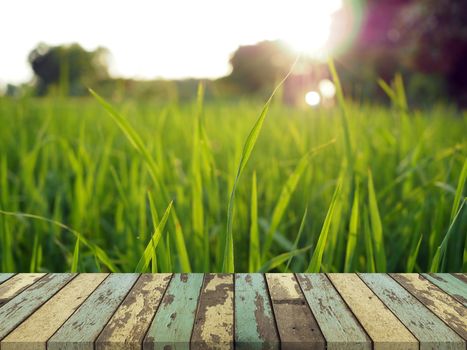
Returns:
<point x="450" y="284"/>
<point x="83" y="327"/>
<point x="5" y="276"/>
<point x="339" y="326"/>
<point x="423" y="324"/>
<point x="173" y="323"/>
<point x="461" y="276"/>
<point x="19" y="308"/>
<point x="254" y="320"/>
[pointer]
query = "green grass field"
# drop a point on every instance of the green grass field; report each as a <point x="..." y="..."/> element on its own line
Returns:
<point x="348" y="188"/>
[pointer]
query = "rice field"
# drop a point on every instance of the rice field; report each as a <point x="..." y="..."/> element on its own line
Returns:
<point x="89" y="185"/>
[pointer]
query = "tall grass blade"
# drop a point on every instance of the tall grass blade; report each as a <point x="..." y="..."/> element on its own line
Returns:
<point x="75" y="261"/>
<point x="317" y="257"/>
<point x="353" y="232"/>
<point x="280" y="259"/>
<point x="138" y="144"/>
<point x="149" y="252"/>
<point x="459" y="191"/>
<point x="412" y="259"/>
<point x="99" y="254"/>
<point x="376" y="227"/>
<point x="254" y="259"/>
<point x="228" y="263"/>
<point x="299" y="235"/>
<point x="284" y="198"/>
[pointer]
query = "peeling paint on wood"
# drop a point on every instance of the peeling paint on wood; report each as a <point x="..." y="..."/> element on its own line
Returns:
<point x="461" y="276"/>
<point x="128" y="326"/>
<point x="173" y="323"/>
<point x="33" y="333"/>
<point x="17" y="284"/>
<point x="16" y="310"/>
<point x="254" y="320"/>
<point x="443" y="305"/>
<point x="5" y="276"/>
<point x="82" y="328"/>
<point x="339" y="326"/>
<point x="296" y="325"/>
<point x="455" y="287"/>
<point x="429" y="329"/>
<point x="215" y="315"/>
<point x="223" y="311"/>
<point x="384" y="329"/>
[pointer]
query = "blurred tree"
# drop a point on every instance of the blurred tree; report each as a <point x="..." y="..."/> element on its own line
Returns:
<point x="257" y="68"/>
<point x="435" y="34"/>
<point x="69" y="68"/>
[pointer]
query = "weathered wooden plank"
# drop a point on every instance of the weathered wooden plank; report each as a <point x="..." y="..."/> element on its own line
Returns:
<point x="33" y="333"/>
<point x="5" y="276"/>
<point x="384" y="329"/>
<point x="173" y="323"/>
<point x="17" y="284"/>
<point x="339" y="326"/>
<point x="214" y="319"/>
<point x="16" y="310"/>
<point x="127" y="327"/>
<point x="254" y="320"/>
<point x="83" y="327"/>
<point x="450" y="284"/>
<point x="296" y="325"/>
<point x="429" y="329"/>
<point x="461" y="276"/>
<point x="443" y="305"/>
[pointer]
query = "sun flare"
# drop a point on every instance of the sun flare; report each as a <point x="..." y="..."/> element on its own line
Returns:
<point x="308" y="29"/>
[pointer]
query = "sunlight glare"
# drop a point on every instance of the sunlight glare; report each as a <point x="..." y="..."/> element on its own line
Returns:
<point x="327" y="88"/>
<point x="312" y="98"/>
<point x="308" y="30"/>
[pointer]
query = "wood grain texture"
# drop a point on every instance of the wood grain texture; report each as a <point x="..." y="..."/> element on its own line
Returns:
<point x="33" y="333"/>
<point x="83" y="327"/>
<point x="455" y="287"/>
<point x="443" y="305"/>
<point x="296" y="325"/>
<point x="128" y="326"/>
<point x="461" y="276"/>
<point x="384" y="329"/>
<point x="5" y="276"/>
<point x="254" y="320"/>
<point x="18" y="309"/>
<point x="173" y="324"/>
<point x="429" y="329"/>
<point x="337" y="323"/>
<point x="17" y="284"/>
<point x="214" y="320"/>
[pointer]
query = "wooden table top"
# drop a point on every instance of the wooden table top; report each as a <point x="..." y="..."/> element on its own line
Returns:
<point x="223" y="311"/>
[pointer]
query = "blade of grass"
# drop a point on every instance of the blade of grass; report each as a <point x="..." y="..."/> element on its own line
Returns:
<point x="284" y="198"/>
<point x="228" y="263"/>
<point x="99" y="254"/>
<point x="254" y="255"/>
<point x="149" y="252"/>
<point x="437" y="264"/>
<point x="75" y="261"/>
<point x="317" y="257"/>
<point x="280" y="259"/>
<point x="370" y="258"/>
<point x="353" y="231"/>
<point x="459" y="191"/>
<point x="299" y="234"/>
<point x="138" y="144"/>
<point x="376" y="227"/>
<point x="412" y="259"/>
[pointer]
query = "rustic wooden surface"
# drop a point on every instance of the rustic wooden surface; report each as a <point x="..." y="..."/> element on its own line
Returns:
<point x="226" y="311"/>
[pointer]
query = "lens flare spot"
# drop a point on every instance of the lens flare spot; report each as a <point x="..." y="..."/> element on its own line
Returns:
<point x="312" y="98"/>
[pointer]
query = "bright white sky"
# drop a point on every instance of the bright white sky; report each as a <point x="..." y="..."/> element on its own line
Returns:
<point x="158" y="38"/>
